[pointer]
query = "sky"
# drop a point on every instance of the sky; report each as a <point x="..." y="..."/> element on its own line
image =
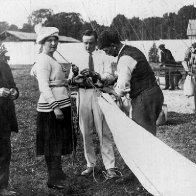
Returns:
<point x="103" y="11"/>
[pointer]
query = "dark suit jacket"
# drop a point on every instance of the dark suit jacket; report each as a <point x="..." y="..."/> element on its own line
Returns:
<point x="8" y="121"/>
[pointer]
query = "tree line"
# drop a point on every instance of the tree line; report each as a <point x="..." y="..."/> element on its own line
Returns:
<point x="170" y="26"/>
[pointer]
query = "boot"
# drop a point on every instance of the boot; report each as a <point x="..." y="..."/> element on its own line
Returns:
<point x="59" y="171"/>
<point x="53" y="181"/>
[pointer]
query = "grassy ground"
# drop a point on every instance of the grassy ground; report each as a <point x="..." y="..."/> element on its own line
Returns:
<point x="28" y="173"/>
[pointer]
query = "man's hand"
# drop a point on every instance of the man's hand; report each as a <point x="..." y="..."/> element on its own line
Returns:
<point x="79" y="79"/>
<point x="110" y="91"/>
<point x="85" y="72"/>
<point x="97" y="75"/>
<point x="58" y="113"/>
<point x="4" y="92"/>
<point x="13" y="93"/>
<point x="75" y="70"/>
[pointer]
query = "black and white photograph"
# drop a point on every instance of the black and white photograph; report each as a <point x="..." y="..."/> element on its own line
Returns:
<point x="98" y="98"/>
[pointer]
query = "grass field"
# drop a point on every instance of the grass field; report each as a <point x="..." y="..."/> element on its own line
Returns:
<point x="28" y="173"/>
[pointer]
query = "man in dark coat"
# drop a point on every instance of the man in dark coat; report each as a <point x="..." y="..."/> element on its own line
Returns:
<point x="136" y="77"/>
<point x="8" y="123"/>
<point x="171" y="77"/>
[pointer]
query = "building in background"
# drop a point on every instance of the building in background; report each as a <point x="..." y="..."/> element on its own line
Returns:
<point x="21" y="46"/>
<point x="191" y="29"/>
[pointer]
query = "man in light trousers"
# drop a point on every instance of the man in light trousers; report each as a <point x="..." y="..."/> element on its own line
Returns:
<point x="95" y="67"/>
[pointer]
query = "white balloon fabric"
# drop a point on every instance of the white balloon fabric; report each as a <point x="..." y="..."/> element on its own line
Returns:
<point x="161" y="170"/>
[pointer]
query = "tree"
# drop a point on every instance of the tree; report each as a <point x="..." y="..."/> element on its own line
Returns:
<point x="39" y="16"/>
<point x="27" y="28"/>
<point x="3" y="26"/>
<point x="121" y="24"/>
<point x="3" y="51"/>
<point x="69" y="24"/>
<point x="153" y="28"/>
<point x="184" y="14"/>
<point x="188" y="12"/>
<point x="13" y="27"/>
<point x="153" y="54"/>
<point x="135" y="27"/>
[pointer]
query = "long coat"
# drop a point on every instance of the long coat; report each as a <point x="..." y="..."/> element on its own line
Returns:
<point x="8" y="120"/>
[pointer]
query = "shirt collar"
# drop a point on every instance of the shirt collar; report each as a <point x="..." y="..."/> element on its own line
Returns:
<point x="121" y="49"/>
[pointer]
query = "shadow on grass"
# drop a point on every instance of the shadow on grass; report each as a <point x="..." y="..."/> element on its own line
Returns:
<point x="175" y="118"/>
<point x="17" y="68"/>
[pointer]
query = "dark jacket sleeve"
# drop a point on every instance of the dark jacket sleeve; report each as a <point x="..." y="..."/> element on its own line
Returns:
<point x="8" y="119"/>
<point x="7" y="79"/>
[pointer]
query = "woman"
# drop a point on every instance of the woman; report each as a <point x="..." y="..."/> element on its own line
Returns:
<point x="8" y="122"/>
<point x="55" y="136"/>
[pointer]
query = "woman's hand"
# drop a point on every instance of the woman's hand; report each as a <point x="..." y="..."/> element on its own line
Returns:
<point x="58" y="113"/>
<point x="75" y="70"/>
<point x="13" y="93"/>
<point x="4" y="92"/>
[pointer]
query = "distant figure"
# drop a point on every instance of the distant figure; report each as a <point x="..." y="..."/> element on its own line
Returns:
<point x="8" y="123"/>
<point x="187" y="56"/>
<point x="172" y="78"/>
<point x="193" y="55"/>
<point x="189" y="62"/>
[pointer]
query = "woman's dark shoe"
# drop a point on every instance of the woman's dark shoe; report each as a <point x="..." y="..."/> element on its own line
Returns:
<point x="56" y="185"/>
<point x="5" y="192"/>
<point x="171" y="89"/>
<point x="165" y="88"/>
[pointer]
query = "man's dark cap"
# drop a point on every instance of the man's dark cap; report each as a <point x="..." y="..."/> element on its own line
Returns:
<point x="162" y="46"/>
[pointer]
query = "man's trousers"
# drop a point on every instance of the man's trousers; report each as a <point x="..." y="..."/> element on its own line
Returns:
<point x="146" y="108"/>
<point x="90" y="117"/>
<point x="5" y="156"/>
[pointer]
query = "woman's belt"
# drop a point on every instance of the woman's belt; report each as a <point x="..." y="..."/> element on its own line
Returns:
<point x="58" y="83"/>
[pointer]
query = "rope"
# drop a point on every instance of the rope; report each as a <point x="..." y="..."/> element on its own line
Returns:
<point x="63" y="57"/>
<point x="106" y="176"/>
<point x="74" y="126"/>
<point x="74" y="117"/>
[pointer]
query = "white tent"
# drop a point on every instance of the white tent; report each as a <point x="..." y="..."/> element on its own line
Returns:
<point x="21" y="46"/>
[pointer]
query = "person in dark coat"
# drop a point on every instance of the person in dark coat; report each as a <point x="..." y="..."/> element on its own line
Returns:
<point x="8" y="123"/>
<point x="172" y="78"/>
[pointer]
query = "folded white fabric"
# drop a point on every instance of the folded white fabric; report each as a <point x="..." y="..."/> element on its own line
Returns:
<point x="160" y="169"/>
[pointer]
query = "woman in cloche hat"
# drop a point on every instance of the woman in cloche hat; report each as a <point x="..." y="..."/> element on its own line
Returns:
<point x="54" y="136"/>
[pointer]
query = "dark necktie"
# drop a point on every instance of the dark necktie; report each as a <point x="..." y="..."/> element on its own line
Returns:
<point x="90" y="63"/>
